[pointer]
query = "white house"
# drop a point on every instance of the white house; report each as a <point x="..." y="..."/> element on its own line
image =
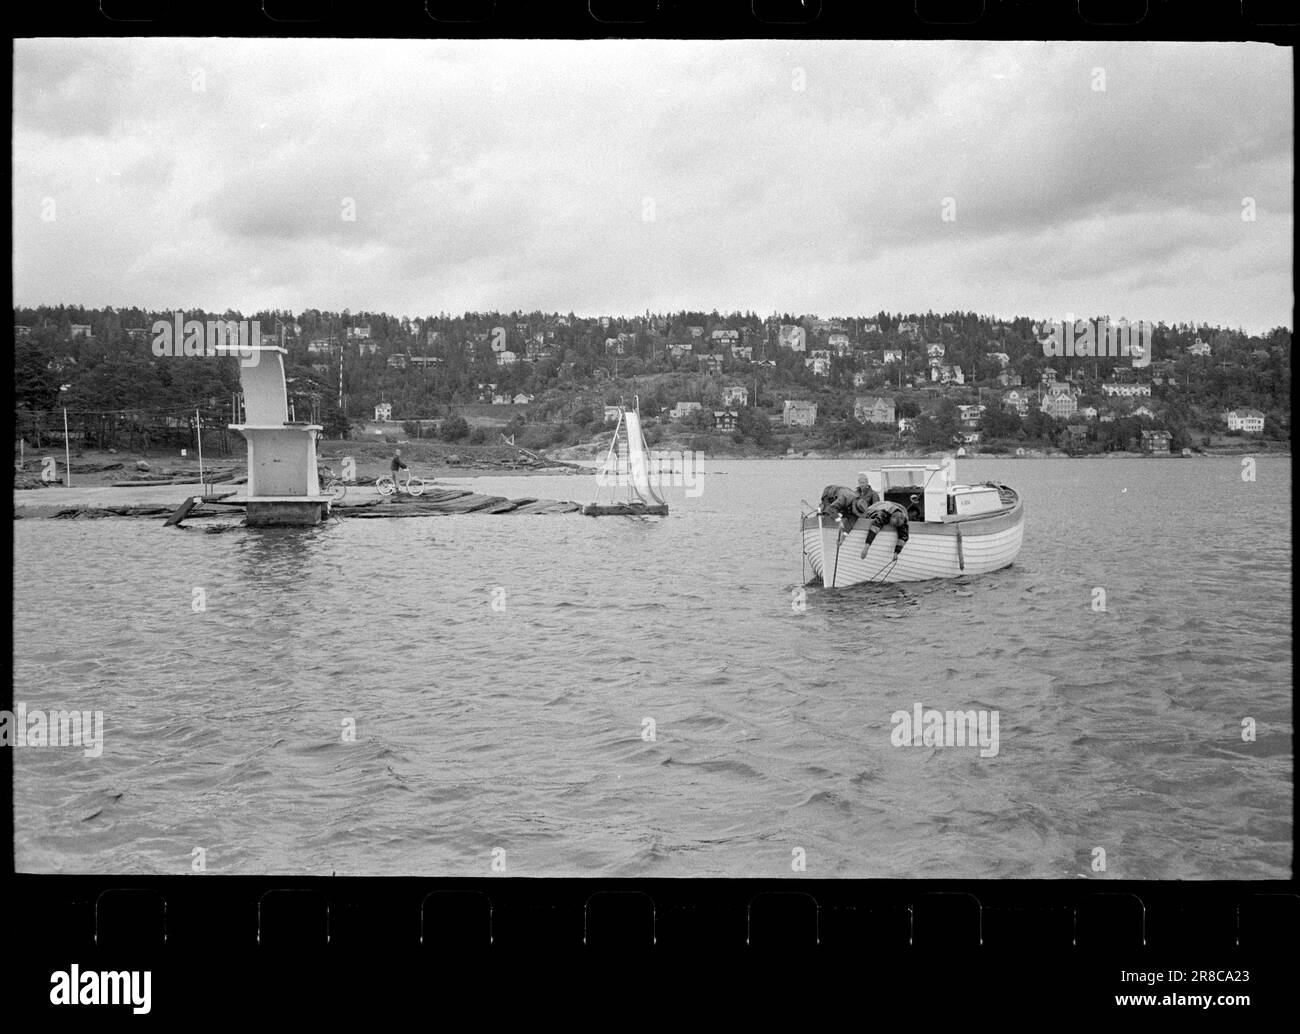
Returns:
<point x="682" y="409"/>
<point x="384" y="412"/>
<point x="820" y="365"/>
<point x="1124" y="390"/>
<point x="792" y="336"/>
<point x="1199" y="347"/>
<point x="1245" y="420"/>
<point x="507" y="358"/>
<point x="735" y="395"/>
<point x="1059" y="400"/>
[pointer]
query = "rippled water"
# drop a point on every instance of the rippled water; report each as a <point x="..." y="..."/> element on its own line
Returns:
<point x="528" y="727"/>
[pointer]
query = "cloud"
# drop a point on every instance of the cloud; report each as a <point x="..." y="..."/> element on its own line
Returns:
<point x="620" y="175"/>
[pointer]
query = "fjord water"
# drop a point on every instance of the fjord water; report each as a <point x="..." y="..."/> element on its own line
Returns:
<point x="629" y="697"/>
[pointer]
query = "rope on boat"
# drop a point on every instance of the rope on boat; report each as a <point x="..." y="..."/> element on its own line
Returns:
<point x="884" y="571"/>
<point x="961" y="558"/>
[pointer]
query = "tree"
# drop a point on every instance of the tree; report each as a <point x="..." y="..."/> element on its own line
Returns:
<point x="454" y="428"/>
<point x="336" y="426"/>
<point x="754" y="425"/>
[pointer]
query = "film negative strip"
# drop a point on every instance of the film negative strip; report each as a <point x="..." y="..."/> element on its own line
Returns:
<point x="653" y="277"/>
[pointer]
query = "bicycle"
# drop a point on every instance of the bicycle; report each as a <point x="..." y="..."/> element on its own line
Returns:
<point x="387" y="485"/>
<point x="332" y="484"/>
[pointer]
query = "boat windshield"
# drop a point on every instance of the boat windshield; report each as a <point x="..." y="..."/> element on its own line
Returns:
<point x="904" y="477"/>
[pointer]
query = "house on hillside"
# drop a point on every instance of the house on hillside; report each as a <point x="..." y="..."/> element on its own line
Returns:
<point x="735" y="395"/>
<point x="873" y="409"/>
<point x="945" y="374"/>
<point x="1126" y="390"/>
<point x="725" y="419"/>
<point x="384" y="412"/>
<point x="796" y="413"/>
<point x="1245" y="420"/>
<point x="1059" y="400"/>
<point x="684" y="409"/>
<point x="612" y="413"/>
<point x="1156" y="441"/>
<point x="793" y="337"/>
<point x="1018" y="400"/>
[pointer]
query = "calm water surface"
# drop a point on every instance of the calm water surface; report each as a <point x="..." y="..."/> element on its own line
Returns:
<point x="648" y="697"/>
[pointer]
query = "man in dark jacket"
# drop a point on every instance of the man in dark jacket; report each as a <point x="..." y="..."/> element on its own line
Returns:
<point x="841" y="501"/>
<point x="883" y="514"/>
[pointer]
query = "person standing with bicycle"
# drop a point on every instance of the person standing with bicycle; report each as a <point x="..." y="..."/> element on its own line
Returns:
<point x="394" y="467"/>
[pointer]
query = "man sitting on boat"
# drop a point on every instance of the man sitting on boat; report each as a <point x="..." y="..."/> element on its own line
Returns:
<point x="883" y="513"/>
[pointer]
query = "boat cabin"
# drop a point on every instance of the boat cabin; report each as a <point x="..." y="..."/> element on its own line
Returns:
<point x="927" y="492"/>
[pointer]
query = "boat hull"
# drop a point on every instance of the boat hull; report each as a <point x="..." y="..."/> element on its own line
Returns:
<point x="970" y="546"/>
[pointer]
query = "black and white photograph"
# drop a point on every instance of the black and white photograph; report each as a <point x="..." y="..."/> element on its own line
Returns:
<point x="526" y="458"/>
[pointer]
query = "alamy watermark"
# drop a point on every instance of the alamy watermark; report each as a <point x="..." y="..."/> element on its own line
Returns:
<point x="1085" y="339"/>
<point x="668" y="469"/>
<point x="930" y="728"/>
<point x="102" y="987"/>
<point x="38" y="728"/>
<point x="193" y="338"/>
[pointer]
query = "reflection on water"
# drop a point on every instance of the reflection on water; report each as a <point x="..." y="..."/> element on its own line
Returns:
<point x="647" y="697"/>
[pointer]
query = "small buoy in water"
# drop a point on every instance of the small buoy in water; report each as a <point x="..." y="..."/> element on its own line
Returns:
<point x="1122" y="491"/>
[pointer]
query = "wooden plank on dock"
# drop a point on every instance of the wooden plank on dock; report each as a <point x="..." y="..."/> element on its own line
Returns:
<point x="181" y="512"/>
<point x="626" y="510"/>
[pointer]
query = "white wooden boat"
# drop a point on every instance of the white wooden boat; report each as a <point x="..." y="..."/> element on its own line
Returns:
<point x="954" y="530"/>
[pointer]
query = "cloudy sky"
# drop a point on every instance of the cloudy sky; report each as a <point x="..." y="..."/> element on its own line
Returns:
<point x="611" y="177"/>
